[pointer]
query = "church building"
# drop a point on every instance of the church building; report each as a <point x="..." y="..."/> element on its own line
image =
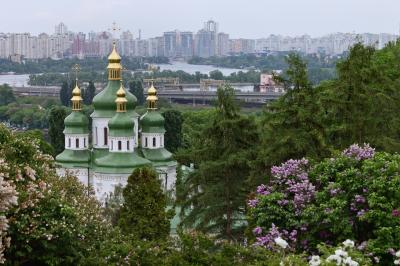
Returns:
<point x="120" y="142"/>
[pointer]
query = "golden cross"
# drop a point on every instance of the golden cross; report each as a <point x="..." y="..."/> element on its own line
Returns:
<point x="114" y="29"/>
<point x="76" y="68"/>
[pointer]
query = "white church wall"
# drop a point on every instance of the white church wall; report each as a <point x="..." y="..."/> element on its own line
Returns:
<point x="149" y="144"/>
<point x="104" y="184"/>
<point x="127" y="144"/>
<point x="71" y="141"/>
<point x="81" y="173"/>
<point x="98" y="138"/>
<point x="167" y="175"/>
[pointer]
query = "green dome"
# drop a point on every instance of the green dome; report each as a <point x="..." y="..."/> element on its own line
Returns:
<point x="121" y="125"/>
<point x="115" y="163"/>
<point x="152" y="122"/>
<point x="76" y="123"/>
<point x="104" y="102"/>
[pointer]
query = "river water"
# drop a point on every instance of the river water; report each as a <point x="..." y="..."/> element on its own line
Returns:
<point x="192" y="69"/>
<point x="22" y="80"/>
<point x="15" y="80"/>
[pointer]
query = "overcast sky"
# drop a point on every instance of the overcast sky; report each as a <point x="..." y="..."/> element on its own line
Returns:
<point x="239" y="18"/>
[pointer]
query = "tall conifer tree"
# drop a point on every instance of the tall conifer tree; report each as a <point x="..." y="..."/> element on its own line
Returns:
<point x="214" y="195"/>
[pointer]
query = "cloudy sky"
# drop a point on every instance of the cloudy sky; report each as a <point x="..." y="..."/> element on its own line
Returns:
<point x="239" y="18"/>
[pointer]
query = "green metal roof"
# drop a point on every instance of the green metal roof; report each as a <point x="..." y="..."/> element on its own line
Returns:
<point x="121" y="125"/>
<point x="157" y="155"/>
<point x="104" y="102"/>
<point x="152" y="122"/>
<point x="74" y="158"/>
<point x="76" y="123"/>
<point x="119" y="163"/>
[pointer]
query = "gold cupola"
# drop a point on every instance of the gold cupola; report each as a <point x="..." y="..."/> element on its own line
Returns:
<point x="114" y="65"/>
<point x="121" y="99"/>
<point x="152" y="97"/>
<point x="76" y="98"/>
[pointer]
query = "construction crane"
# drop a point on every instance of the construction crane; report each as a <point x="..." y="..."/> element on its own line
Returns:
<point x="206" y="83"/>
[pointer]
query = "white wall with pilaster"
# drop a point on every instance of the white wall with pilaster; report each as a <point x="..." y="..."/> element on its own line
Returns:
<point x="121" y="144"/>
<point x="167" y="175"/>
<point x="81" y="173"/>
<point x="104" y="184"/>
<point x="98" y="137"/>
<point x="152" y="140"/>
<point x="136" y="129"/>
<point x="76" y="141"/>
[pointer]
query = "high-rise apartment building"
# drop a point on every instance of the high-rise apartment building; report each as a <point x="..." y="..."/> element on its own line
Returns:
<point x="61" y="29"/>
<point x="206" y="40"/>
<point x="223" y="44"/>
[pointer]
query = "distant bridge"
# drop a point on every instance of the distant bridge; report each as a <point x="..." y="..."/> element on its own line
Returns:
<point x="46" y="91"/>
<point x="207" y="97"/>
<point x="194" y="97"/>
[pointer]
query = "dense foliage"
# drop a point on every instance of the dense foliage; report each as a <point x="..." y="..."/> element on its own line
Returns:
<point x="56" y="128"/>
<point x="173" y="128"/>
<point x="50" y="220"/>
<point x="320" y="67"/>
<point x="353" y="195"/>
<point x="214" y="194"/>
<point x="143" y="213"/>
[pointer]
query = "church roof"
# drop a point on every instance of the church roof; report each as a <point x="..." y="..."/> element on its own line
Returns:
<point x="76" y="123"/>
<point x="119" y="163"/>
<point x="152" y="122"/>
<point x="121" y="125"/>
<point x="157" y="155"/>
<point x="74" y="158"/>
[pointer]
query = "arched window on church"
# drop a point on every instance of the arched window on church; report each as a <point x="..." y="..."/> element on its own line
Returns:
<point x="77" y="143"/>
<point x="105" y="136"/>
<point x="145" y="141"/>
<point x="119" y="145"/>
<point x="84" y="142"/>
<point x="154" y="142"/>
<point x="127" y="145"/>
<point x="69" y="142"/>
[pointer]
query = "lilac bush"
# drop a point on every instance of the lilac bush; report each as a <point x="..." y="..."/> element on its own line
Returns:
<point x="354" y="195"/>
<point x="283" y="198"/>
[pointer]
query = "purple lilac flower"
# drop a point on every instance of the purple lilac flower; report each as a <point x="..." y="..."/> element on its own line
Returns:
<point x="290" y="168"/>
<point x="257" y="230"/>
<point x="392" y="251"/>
<point x="263" y="190"/>
<point x="395" y="213"/>
<point x="359" y="199"/>
<point x="361" y="212"/>
<point x="359" y="153"/>
<point x="362" y="246"/>
<point x="252" y="203"/>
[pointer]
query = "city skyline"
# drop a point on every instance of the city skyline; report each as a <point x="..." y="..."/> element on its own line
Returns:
<point x="287" y="17"/>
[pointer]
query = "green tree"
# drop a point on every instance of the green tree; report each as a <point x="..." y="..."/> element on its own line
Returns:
<point x="173" y="127"/>
<point x="215" y="192"/>
<point x="56" y="128"/>
<point x="65" y="94"/>
<point x="290" y="126"/>
<point x="136" y="88"/>
<point x="89" y="94"/>
<point x="143" y="214"/>
<point x="38" y="136"/>
<point x="361" y="105"/>
<point x="6" y="95"/>
<point x="52" y="220"/>
<point x="216" y="74"/>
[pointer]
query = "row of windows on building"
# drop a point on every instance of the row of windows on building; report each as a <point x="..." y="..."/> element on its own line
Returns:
<point x="77" y="143"/>
<point x="146" y="139"/>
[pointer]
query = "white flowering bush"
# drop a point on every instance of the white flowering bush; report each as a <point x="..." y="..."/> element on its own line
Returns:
<point x="44" y="219"/>
<point x="345" y="254"/>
